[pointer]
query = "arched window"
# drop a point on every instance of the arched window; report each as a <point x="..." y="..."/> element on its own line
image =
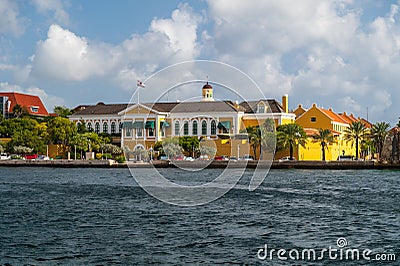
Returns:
<point x="186" y="128"/>
<point x="113" y="128"/>
<point x="89" y="126"/>
<point x="194" y="128"/>
<point x="97" y="127"/>
<point x="204" y="128"/>
<point x="105" y="127"/>
<point x="213" y="128"/>
<point x="176" y="128"/>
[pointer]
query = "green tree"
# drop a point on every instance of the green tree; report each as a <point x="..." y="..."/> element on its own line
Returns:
<point x="254" y="136"/>
<point x="355" y="133"/>
<point x="22" y="150"/>
<point x="25" y="132"/>
<point x="19" y="111"/>
<point x="189" y="144"/>
<point x="379" y="132"/>
<point x="61" y="130"/>
<point x="324" y="137"/>
<point x="290" y="136"/>
<point x="81" y="127"/>
<point x="207" y="150"/>
<point x="62" y="111"/>
<point x="268" y="137"/>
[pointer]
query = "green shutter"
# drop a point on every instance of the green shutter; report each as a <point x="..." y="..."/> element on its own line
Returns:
<point x="149" y="124"/>
<point x="137" y="124"/>
<point x="224" y="124"/>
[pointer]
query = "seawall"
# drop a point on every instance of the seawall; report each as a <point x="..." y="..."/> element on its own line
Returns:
<point x="340" y="165"/>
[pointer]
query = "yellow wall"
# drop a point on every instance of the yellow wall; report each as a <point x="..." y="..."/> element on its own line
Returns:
<point x="322" y="121"/>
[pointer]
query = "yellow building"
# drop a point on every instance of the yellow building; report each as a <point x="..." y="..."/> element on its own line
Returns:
<point x="316" y="118"/>
<point x="220" y="122"/>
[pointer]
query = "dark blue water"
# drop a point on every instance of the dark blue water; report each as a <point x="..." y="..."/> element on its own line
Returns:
<point x="100" y="216"/>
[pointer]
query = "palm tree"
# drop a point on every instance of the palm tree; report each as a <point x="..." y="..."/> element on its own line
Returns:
<point x="289" y="136"/>
<point x="254" y="135"/>
<point x="379" y="132"/>
<point x="324" y="137"/>
<point x="355" y="133"/>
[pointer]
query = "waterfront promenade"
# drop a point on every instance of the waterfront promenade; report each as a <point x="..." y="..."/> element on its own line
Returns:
<point x="342" y="165"/>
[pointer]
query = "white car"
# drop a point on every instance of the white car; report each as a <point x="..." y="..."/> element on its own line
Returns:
<point x="287" y="159"/>
<point x="4" y="156"/>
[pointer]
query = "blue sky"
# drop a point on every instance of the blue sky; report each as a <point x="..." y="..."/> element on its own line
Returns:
<point x="342" y="54"/>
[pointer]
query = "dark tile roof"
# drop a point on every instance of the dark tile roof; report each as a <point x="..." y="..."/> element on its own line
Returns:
<point x="100" y="109"/>
<point x="251" y="106"/>
<point x="162" y="106"/>
<point x="195" y="107"/>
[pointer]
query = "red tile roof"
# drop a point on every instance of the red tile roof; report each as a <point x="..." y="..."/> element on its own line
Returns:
<point x="332" y="115"/>
<point x="26" y="100"/>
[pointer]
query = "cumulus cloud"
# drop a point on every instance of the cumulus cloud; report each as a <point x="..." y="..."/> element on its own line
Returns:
<point x="69" y="57"/>
<point x="55" y="7"/>
<point x="66" y="56"/>
<point x="10" y="22"/>
<point x="318" y="51"/>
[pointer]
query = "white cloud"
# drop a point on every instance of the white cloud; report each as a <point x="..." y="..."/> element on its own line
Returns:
<point x="181" y="30"/>
<point x="56" y="7"/>
<point x="318" y="51"/>
<point x="68" y="57"/>
<point x="10" y="22"/>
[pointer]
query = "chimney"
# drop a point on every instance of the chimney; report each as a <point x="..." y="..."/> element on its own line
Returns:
<point x="285" y="103"/>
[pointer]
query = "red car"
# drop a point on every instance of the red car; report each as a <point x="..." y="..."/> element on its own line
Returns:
<point x="30" y="156"/>
<point x="221" y="158"/>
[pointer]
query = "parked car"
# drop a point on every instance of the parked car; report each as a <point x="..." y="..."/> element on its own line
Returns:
<point x="233" y="158"/>
<point x="30" y="156"/>
<point x="43" y="157"/>
<point x="204" y="158"/>
<point x="190" y="159"/>
<point x="164" y="158"/>
<point x="221" y="158"/>
<point x="345" y="158"/>
<point x="179" y="158"/>
<point x="4" y="156"/>
<point x="248" y="158"/>
<point x="287" y="159"/>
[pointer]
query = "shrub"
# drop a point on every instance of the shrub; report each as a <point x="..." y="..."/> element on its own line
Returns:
<point x="98" y="156"/>
<point x="107" y="156"/>
<point x="120" y="158"/>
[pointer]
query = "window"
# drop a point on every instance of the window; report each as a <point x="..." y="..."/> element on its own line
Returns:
<point x="151" y="132"/>
<point x="139" y="132"/>
<point x="213" y="128"/>
<point x="89" y="126"/>
<point x="113" y="128"/>
<point x="176" y="128"/>
<point x="204" y="128"/>
<point x="120" y="126"/>
<point x="261" y="108"/>
<point x="186" y="128"/>
<point x="313" y="119"/>
<point x="127" y="132"/>
<point x="194" y="128"/>
<point x="34" y="109"/>
<point x="105" y="127"/>
<point x="97" y="127"/>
